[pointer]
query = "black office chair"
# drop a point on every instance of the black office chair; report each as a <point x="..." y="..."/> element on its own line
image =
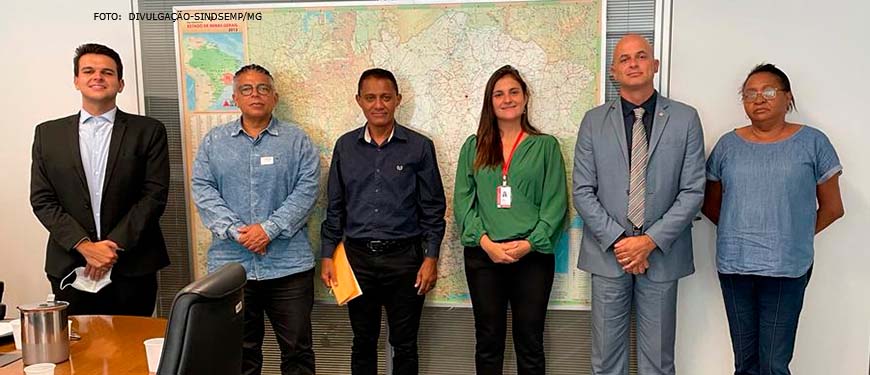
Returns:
<point x="204" y="334"/>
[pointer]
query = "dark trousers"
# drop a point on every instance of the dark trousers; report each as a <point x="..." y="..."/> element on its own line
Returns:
<point x="525" y="285"/>
<point x="134" y="296"/>
<point x="287" y="301"/>
<point x="387" y="279"/>
<point x="763" y="317"/>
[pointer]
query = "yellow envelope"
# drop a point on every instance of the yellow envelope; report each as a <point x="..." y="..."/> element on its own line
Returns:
<point x="348" y="288"/>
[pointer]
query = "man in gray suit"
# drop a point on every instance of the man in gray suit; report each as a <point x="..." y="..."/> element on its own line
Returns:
<point x="638" y="184"/>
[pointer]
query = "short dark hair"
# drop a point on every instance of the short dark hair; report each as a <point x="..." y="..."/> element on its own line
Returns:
<point x="254" y="68"/>
<point x="377" y="73"/>
<point x="97" y="49"/>
<point x="780" y="75"/>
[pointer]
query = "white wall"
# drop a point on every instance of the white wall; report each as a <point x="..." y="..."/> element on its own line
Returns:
<point x="823" y="47"/>
<point x="38" y="40"/>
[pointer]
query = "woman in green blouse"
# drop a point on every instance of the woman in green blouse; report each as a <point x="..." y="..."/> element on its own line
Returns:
<point x="510" y="204"/>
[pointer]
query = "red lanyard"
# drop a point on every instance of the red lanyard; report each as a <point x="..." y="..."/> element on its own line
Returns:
<point x="507" y="164"/>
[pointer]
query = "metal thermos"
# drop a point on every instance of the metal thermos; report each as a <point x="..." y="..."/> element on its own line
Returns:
<point x="44" y="332"/>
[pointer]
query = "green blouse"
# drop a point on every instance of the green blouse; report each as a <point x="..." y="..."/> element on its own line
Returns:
<point x="539" y="202"/>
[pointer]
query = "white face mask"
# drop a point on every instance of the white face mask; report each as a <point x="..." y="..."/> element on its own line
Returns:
<point x="85" y="284"/>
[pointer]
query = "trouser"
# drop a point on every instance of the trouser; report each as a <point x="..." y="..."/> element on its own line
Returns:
<point x="386" y="277"/>
<point x="656" y="306"/>
<point x="763" y="317"/>
<point x="287" y="301"/>
<point x="525" y="286"/>
<point x="124" y="296"/>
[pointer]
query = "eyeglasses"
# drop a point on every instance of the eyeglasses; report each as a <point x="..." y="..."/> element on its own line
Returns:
<point x="262" y="89"/>
<point x="768" y="93"/>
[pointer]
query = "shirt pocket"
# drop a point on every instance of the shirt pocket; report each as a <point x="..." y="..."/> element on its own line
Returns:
<point x="401" y="173"/>
<point x="272" y="165"/>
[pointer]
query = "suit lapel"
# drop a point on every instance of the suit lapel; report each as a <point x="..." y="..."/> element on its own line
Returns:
<point x="660" y="121"/>
<point x="75" y="153"/>
<point x="118" y="129"/>
<point x="615" y="118"/>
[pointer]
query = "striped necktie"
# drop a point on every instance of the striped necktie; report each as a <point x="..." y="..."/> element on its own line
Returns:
<point x="637" y="181"/>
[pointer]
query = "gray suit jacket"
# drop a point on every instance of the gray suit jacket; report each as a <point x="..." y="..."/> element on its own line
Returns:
<point x="675" y="187"/>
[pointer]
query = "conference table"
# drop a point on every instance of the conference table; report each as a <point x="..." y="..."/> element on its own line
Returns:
<point x="108" y="345"/>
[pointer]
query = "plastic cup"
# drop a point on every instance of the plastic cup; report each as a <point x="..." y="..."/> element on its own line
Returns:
<point x="153" y="349"/>
<point x="40" y="369"/>
<point x="16" y="332"/>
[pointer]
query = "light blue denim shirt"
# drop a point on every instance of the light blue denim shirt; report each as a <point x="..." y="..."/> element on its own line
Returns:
<point x="271" y="180"/>
<point x="768" y="217"/>
<point x="95" y="134"/>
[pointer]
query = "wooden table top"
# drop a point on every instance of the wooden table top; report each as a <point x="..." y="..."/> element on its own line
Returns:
<point x="109" y="345"/>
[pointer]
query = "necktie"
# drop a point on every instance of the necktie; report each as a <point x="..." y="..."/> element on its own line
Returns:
<point x="637" y="181"/>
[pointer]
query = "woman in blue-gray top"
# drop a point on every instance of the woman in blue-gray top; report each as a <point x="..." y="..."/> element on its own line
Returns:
<point x="772" y="185"/>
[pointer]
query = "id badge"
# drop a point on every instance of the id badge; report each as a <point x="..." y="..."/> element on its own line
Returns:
<point x="503" y="194"/>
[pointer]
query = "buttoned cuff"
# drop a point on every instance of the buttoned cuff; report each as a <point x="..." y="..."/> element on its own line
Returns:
<point x="233" y="232"/>
<point x="433" y="249"/>
<point x="272" y="230"/>
<point x="327" y="248"/>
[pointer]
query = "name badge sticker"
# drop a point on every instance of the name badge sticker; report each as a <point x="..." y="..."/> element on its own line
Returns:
<point x="267" y="160"/>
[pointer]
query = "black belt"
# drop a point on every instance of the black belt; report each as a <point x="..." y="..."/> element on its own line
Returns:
<point x="382" y="246"/>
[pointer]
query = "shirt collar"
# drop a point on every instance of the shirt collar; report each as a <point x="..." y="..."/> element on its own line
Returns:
<point x="397" y="132"/>
<point x="237" y="129"/>
<point x="108" y="116"/>
<point x="649" y="106"/>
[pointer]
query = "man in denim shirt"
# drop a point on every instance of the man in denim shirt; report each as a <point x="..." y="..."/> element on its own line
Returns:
<point x="254" y="183"/>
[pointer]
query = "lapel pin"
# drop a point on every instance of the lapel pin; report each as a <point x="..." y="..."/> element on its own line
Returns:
<point x="400" y="167"/>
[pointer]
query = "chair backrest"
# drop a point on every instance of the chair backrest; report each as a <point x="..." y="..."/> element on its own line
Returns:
<point x="2" y="306"/>
<point x="204" y="334"/>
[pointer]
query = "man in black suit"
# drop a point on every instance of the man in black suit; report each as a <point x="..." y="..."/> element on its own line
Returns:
<point x="99" y="181"/>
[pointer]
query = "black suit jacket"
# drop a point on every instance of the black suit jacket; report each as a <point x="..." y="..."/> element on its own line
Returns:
<point x="134" y="194"/>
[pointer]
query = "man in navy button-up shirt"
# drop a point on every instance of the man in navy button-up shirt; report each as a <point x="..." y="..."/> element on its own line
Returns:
<point x="254" y="183"/>
<point x="386" y="202"/>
